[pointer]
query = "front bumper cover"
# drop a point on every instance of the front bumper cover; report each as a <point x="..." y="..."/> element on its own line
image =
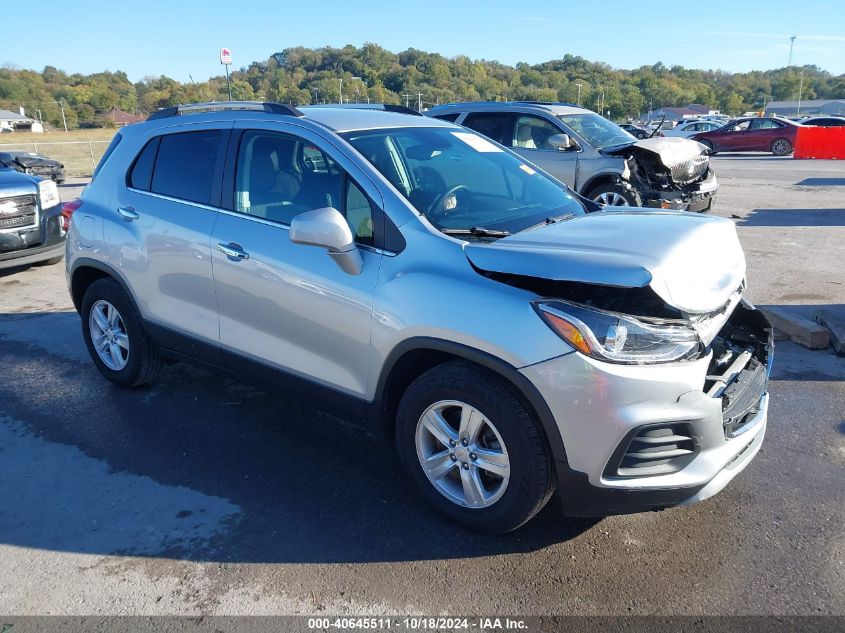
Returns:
<point x="597" y="405"/>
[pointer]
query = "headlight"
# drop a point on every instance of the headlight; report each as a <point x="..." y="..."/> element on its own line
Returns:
<point x="619" y="338"/>
<point x="48" y="194"/>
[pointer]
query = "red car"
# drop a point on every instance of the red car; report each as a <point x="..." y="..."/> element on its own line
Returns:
<point x="757" y="134"/>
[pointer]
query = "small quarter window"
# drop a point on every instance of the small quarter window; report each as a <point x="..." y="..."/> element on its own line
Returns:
<point x="142" y="170"/>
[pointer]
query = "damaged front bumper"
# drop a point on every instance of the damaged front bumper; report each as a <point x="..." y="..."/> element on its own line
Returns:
<point x="696" y="197"/>
<point x="647" y="437"/>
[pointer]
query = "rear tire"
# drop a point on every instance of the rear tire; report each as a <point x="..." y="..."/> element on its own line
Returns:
<point x="708" y="145"/>
<point x="781" y="147"/>
<point x="126" y="355"/>
<point x="497" y="426"/>
<point x="612" y="194"/>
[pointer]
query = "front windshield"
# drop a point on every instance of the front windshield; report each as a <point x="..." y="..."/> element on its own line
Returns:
<point x="461" y="180"/>
<point x="597" y="130"/>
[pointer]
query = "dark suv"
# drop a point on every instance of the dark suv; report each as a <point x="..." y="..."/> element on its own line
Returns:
<point x="31" y="224"/>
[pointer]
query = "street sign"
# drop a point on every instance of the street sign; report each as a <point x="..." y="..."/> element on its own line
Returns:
<point x="225" y="56"/>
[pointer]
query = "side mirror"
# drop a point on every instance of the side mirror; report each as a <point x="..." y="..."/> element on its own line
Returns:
<point x="560" y="141"/>
<point x="327" y="228"/>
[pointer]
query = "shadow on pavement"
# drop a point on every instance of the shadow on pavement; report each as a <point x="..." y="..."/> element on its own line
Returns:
<point x="822" y="182"/>
<point x="200" y="467"/>
<point x="794" y="217"/>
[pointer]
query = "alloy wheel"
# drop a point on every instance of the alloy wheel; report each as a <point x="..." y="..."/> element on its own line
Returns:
<point x="108" y="334"/>
<point x="462" y="454"/>
<point x="781" y="147"/>
<point x="611" y="199"/>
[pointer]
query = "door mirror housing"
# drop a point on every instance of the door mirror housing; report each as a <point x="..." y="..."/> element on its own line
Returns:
<point x="328" y="229"/>
<point x="560" y="141"/>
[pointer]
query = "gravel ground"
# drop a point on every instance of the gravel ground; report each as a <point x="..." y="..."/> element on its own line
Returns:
<point x="200" y="495"/>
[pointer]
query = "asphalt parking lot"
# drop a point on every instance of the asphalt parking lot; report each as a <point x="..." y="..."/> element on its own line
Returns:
<point x="200" y="495"/>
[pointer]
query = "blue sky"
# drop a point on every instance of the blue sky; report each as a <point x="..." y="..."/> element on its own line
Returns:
<point x="182" y="37"/>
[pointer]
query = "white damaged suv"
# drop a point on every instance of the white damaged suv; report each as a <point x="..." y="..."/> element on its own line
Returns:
<point x="416" y="277"/>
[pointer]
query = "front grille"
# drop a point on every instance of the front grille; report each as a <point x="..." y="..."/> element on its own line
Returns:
<point x="18" y="212"/>
<point x="656" y="449"/>
<point x="690" y="170"/>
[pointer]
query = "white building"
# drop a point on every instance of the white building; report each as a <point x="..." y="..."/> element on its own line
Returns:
<point x="811" y="106"/>
<point x="13" y="121"/>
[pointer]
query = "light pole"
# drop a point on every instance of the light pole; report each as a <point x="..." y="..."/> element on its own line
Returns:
<point x="341" y="90"/>
<point x="800" y="90"/>
<point x="579" y="94"/>
<point x="791" y="44"/>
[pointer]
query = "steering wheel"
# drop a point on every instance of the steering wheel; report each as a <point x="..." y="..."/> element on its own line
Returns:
<point x="437" y="208"/>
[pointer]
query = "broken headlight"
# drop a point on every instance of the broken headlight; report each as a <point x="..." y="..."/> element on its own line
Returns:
<point x="619" y="338"/>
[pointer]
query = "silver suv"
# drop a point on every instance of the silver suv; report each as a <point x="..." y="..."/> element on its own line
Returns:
<point x="414" y="276"/>
<point x="594" y="156"/>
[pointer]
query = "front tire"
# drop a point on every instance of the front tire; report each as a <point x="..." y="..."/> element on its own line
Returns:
<point x="115" y="336"/>
<point x="613" y="194"/>
<point x="473" y="449"/>
<point x="781" y="147"/>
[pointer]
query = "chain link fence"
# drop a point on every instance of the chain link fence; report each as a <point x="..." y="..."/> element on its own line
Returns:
<point x="79" y="157"/>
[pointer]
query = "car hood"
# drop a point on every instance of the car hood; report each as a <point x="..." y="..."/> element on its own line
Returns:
<point x="13" y="183"/>
<point x="694" y="263"/>
<point x="36" y="161"/>
<point x="685" y="159"/>
<point x="671" y="149"/>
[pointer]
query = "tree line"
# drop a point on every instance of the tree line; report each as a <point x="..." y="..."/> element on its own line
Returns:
<point x="413" y="77"/>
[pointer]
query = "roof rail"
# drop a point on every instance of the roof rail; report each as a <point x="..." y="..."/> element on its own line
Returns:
<point x="214" y="106"/>
<point x="386" y="107"/>
<point x="557" y="103"/>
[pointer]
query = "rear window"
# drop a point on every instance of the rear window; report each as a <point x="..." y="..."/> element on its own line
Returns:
<point x="448" y="117"/>
<point x="184" y="165"/>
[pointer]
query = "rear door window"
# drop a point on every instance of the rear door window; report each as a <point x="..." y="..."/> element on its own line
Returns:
<point x="494" y="125"/>
<point x="185" y="165"/>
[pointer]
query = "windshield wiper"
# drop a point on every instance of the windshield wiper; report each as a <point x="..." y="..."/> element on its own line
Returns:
<point x="553" y="220"/>
<point x="476" y="231"/>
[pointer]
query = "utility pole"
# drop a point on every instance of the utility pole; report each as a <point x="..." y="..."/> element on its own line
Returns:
<point x="419" y="102"/>
<point x="800" y="90"/>
<point x="341" y="90"/>
<point x="407" y="100"/>
<point x="791" y="44"/>
<point x="64" y="120"/>
<point x="579" y="94"/>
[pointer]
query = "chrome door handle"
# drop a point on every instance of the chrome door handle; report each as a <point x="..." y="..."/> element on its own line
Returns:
<point x="232" y="250"/>
<point x="128" y="213"/>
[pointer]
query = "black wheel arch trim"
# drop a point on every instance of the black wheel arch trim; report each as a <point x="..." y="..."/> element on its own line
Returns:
<point x="376" y="409"/>
<point x="606" y="177"/>
<point x="87" y="262"/>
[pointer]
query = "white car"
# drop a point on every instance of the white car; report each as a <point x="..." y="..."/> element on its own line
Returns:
<point x="687" y="129"/>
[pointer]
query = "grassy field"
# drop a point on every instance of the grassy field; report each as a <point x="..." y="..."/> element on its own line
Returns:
<point x="78" y="150"/>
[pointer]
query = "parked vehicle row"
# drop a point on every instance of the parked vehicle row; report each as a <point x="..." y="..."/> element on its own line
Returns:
<point x="432" y="283"/>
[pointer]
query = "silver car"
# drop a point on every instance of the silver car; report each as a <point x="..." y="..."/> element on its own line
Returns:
<point x="411" y="275"/>
<point x="593" y="155"/>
